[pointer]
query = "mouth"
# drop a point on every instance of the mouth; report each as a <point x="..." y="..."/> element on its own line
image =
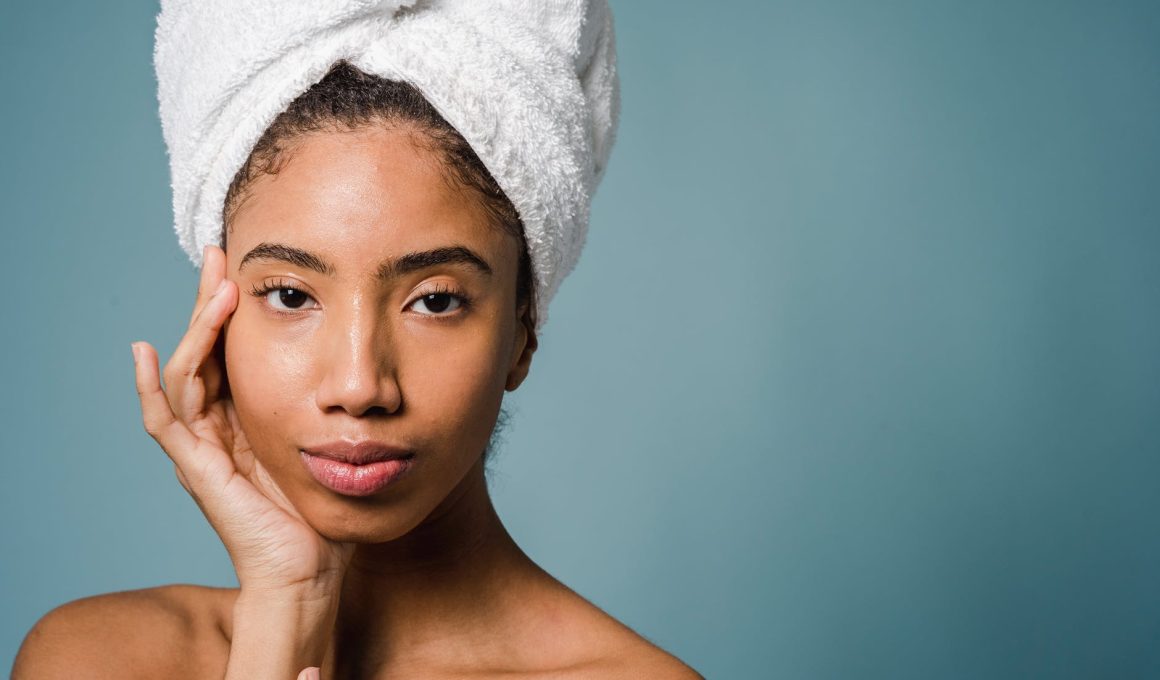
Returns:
<point x="357" y="469"/>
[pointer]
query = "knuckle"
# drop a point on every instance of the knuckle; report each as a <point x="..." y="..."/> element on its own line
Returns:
<point x="152" y="428"/>
<point x="176" y="372"/>
<point x="145" y="391"/>
<point x="155" y="425"/>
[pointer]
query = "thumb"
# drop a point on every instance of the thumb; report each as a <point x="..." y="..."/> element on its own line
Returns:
<point x="311" y="673"/>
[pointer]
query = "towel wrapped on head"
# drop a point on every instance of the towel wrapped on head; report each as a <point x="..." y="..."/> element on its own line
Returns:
<point x="530" y="84"/>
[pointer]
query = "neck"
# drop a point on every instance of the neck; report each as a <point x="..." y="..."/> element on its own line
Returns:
<point x="457" y="569"/>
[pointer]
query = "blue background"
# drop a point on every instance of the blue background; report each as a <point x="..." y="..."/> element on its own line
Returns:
<point x="858" y="376"/>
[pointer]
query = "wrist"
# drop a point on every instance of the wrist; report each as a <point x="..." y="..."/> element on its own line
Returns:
<point x="279" y="631"/>
<point x="302" y="593"/>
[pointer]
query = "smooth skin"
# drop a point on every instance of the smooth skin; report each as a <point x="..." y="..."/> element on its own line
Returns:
<point x="420" y="580"/>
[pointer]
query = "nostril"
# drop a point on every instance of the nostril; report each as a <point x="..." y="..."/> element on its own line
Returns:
<point x="359" y="382"/>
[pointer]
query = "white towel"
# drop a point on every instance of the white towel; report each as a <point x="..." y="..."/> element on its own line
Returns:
<point x="530" y="84"/>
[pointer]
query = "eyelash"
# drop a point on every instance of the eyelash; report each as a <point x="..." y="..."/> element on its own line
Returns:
<point x="444" y="289"/>
<point x="262" y="290"/>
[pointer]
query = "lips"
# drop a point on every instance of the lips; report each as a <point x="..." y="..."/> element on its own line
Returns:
<point x="357" y="469"/>
<point x="358" y="453"/>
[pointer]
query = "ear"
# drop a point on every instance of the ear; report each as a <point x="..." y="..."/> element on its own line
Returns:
<point x="522" y="350"/>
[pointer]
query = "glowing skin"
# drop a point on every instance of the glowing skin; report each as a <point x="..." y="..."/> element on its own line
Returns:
<point x="357" y="356"/>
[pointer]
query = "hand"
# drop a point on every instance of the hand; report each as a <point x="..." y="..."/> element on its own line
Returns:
<point x="311" y="673"/>
<point x="193" y="419"/>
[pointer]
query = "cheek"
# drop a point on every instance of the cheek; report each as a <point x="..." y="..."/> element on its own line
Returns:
<point x="455" y="385"/>
<point x="267" y="375"/>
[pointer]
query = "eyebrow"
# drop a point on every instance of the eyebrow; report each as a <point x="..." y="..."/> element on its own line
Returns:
<point x="387" y="270"/>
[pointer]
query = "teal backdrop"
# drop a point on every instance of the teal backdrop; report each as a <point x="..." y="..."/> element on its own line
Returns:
<point x="858" y="376"/>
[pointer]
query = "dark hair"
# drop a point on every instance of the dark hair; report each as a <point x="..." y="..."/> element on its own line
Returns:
<point x="347" y="99"/>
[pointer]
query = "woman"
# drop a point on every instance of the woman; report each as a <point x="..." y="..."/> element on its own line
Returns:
<point x="373" y="293"/>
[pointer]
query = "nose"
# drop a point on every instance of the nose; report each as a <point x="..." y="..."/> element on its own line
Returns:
<point x="358" y="369"/>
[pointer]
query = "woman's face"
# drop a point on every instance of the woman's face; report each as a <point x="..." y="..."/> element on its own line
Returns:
<point x="401" y="327"/>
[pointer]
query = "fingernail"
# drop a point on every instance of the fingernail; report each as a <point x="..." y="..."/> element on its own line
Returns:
<point x="136" y="352"/>
<point x="220" y="288"/>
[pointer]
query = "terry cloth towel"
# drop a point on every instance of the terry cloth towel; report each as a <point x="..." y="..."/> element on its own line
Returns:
<point x="530" y="84"/>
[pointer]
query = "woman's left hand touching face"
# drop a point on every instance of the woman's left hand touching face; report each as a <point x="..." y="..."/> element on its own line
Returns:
<point x="193" y="419"/>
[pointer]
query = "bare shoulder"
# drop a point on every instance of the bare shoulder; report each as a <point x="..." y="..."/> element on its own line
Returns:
<point x="633" y="656"/>
<point x="170" y="631"/>
<point x="611" y="649"/>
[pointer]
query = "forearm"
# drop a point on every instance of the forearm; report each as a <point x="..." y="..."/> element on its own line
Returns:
<point x="278" y="634"/>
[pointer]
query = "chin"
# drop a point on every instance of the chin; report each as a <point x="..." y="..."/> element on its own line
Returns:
<point x="359" y="535"/>
<point x="351" y="521"/>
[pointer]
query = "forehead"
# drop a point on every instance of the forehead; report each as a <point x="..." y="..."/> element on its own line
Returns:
<point x="362" y="196"/>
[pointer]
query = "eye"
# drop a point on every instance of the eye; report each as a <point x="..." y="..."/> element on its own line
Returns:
<point x="291" y="298"/>
<point x="439" y="302"/>
<point x="283" y="297"/>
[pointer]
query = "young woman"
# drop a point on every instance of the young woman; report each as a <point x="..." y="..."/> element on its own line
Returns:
<point x="329" y="409"/>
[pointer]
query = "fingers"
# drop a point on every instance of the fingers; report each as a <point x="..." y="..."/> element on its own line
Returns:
<point x="194" y="465"/>
<point x="192" y="373"/>
<point x="213" y="270"/>
<point x="160" y="421"/>
<point x="311" y="673"/>
<point x="184" y="378"/>
<point x="188" y="399"/>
